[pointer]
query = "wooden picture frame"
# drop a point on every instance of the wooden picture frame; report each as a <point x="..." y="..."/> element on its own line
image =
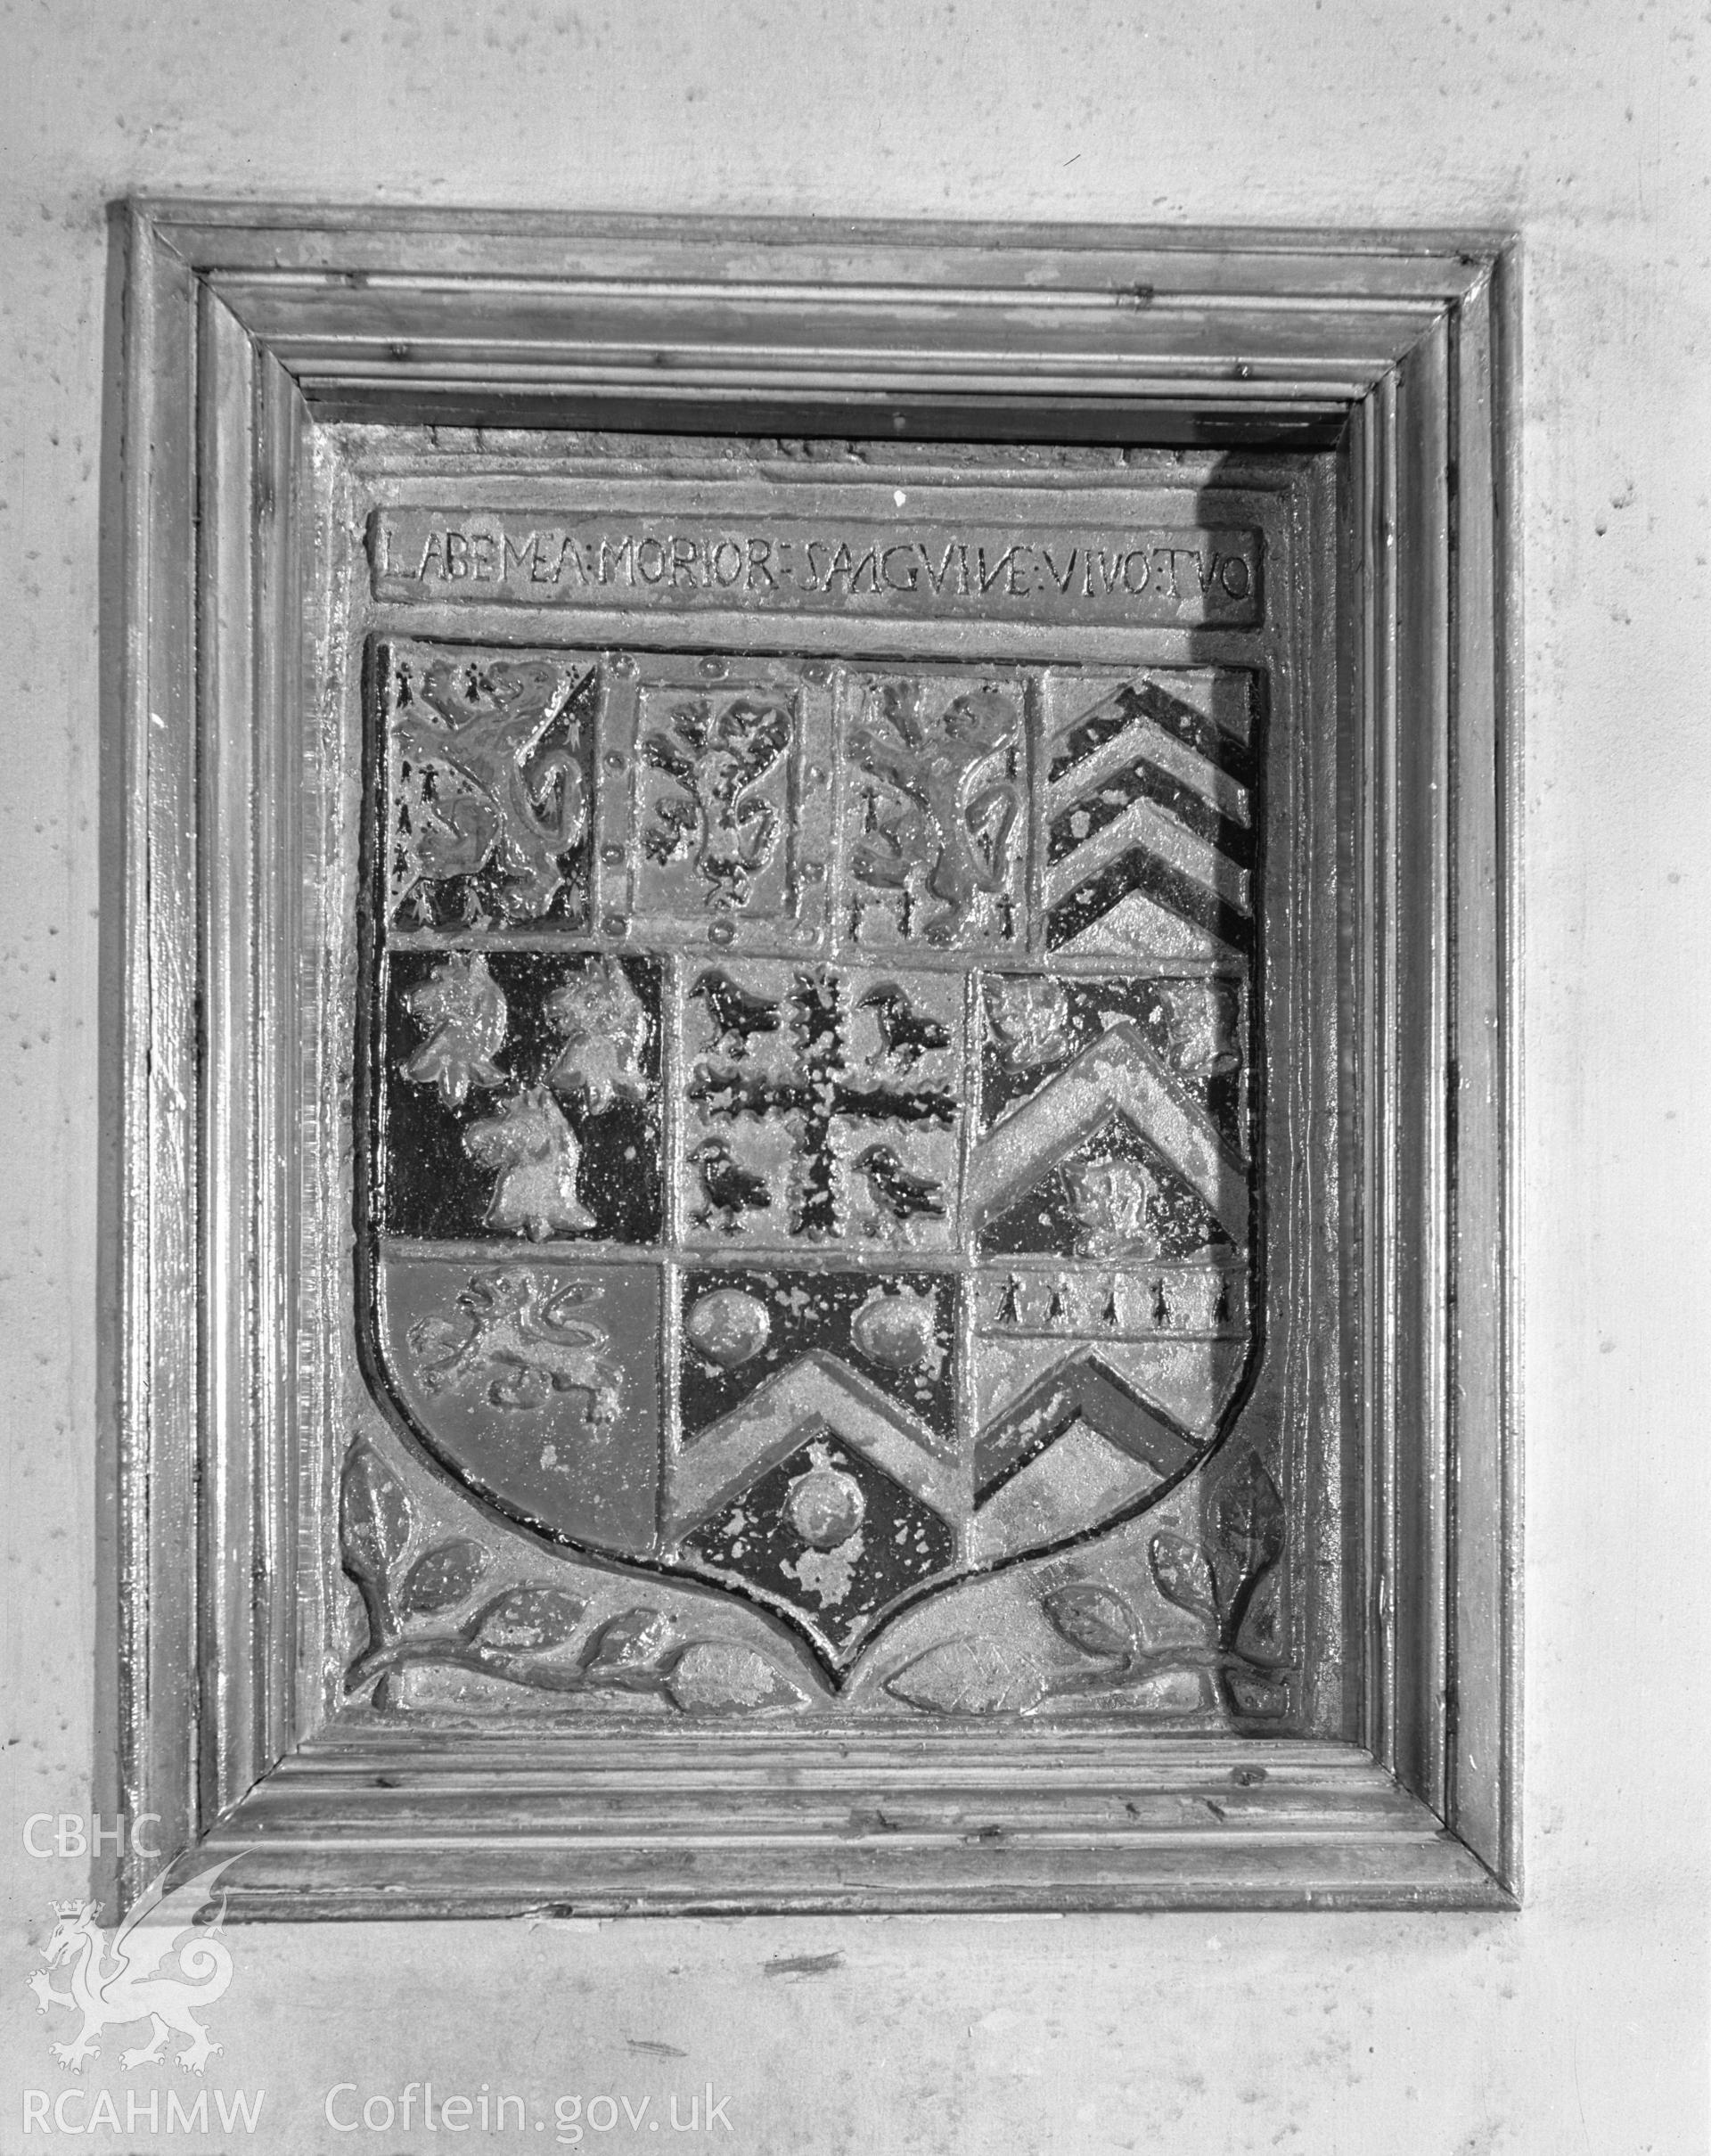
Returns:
<point x="246" y="329"/>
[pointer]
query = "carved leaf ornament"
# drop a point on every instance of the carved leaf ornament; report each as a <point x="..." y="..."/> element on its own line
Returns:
<point x="512" y="1635"/>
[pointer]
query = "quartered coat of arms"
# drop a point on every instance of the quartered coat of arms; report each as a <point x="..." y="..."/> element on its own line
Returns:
<point x="807" y="1146"/>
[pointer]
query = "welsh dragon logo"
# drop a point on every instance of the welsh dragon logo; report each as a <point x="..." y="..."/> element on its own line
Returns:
<point x="121" y="1977"/>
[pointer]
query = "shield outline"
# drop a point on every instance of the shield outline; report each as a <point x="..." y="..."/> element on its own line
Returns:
<point x="670" y="1270"/>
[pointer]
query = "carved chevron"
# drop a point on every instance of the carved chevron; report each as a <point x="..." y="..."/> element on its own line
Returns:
<point x="1118" y="1075"/>
<point x="1084" y="1391"/>
<point x="1106" y="741"/>
<point x="817" y="1395"/>
<point x="1149" y="805"/>
<point x="1142" y="826"/>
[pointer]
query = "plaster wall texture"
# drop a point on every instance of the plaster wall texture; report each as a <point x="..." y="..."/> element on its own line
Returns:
<point x="1580" y="2024"/>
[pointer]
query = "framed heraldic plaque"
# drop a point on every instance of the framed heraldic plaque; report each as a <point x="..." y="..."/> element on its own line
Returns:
<point x="815" y="1063"/>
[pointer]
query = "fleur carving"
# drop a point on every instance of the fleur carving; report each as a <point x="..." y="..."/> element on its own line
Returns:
<point x="717" y="754"/>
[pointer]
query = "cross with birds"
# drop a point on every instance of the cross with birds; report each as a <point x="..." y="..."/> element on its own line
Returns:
<point x="818" y="1088"/>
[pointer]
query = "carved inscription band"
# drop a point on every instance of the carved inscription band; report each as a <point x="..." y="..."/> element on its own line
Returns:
<point x="1185" y="577"/>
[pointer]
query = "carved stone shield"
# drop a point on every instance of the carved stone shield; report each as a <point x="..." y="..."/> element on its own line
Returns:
<point x="807" y="1141"/>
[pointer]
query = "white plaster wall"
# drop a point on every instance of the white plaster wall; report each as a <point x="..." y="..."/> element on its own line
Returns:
<point x="1580" y="2025"/>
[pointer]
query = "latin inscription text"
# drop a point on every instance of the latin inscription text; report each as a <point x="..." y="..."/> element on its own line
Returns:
<point x="1189" y="578"/>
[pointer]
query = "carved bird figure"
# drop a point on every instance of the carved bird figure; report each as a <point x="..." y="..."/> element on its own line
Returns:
<point x="898" y="1190"/>
<point x="732" y="1190"/>
<point x="908" y="1034"/>
<point x="734" y="1013"/>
